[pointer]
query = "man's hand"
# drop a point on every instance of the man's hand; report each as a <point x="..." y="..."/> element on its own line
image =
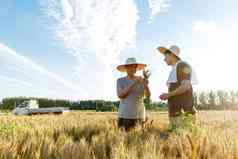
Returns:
<point x="164" y="96"/>
<point x="124" y="93"/>
<point x="146" y="74"/>
<point x="185" y="86"/>
<point x="139" y="80"/>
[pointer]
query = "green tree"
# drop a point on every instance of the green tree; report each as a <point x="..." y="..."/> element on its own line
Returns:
<point x="202" y="101"/>
<point x="211" y="99"/>
<point x="222" y="99"/>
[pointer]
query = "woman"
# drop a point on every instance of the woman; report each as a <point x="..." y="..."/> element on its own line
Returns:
<point x="131" y="90"/>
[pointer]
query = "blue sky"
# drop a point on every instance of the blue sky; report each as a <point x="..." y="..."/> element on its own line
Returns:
<point x="69" y="49"/>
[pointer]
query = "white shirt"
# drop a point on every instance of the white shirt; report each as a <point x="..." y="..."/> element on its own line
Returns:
<point x="173" y="75"/>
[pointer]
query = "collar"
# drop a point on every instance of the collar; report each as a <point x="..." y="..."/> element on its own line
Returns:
<point x="176" y="64"/>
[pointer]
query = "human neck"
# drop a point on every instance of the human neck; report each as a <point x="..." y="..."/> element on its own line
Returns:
<point x="174" y="62"/>
<point x="131" y="76"/>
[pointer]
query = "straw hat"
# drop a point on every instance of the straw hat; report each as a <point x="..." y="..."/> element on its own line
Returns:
<point x="131" y="61"/>
<point x="173" y="49"/>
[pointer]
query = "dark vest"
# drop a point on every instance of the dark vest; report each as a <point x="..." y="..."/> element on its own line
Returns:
<point x="184" y="72"/>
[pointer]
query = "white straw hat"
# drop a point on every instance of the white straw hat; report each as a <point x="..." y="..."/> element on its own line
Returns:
<point x="131" y="61"/>
<point x="173" y="49"/>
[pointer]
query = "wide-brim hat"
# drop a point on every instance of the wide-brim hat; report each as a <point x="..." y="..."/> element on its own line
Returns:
<point x="173" y="49"/>
<point x="131" y="61"/>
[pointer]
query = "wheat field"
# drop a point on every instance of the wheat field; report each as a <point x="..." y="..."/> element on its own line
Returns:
<point x="90" y="135"/>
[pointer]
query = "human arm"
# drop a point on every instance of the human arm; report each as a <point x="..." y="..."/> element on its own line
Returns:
<point x="124" y="92"/>
<point x="185" y="86"/>
<point x="147" y="92"/>
<point x="184" y="78"/>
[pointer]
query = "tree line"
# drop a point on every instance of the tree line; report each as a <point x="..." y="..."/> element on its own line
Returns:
<point x="11" y="102"/>
<point x="97" y="105"/>
<point x="216" y="100"/>
<point x="209" y="100"/>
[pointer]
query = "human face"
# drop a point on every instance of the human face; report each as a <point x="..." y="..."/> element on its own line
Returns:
<point x="131" y="69"/>
<point x="168" y="58"/>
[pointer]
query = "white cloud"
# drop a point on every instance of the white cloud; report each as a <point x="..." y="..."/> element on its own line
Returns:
<point x="203" y="26"/>
<point x="158" y="6"/>
<point x="212" y="50"/>
<point x="19" y="71"/>
<point x="102" y="27"/>
<point x="95" y="32"/>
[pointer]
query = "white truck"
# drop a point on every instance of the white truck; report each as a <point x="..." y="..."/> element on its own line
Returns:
<point x="31" y="107"/>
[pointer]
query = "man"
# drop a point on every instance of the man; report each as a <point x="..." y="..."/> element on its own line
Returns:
<point x="180" y="90"/>
<point x="131" y="90"/>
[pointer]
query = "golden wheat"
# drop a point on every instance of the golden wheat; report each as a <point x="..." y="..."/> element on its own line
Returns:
<point x="88" y="135"/>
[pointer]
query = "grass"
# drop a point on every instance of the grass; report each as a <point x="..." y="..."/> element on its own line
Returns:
<point x="88" y="135"/>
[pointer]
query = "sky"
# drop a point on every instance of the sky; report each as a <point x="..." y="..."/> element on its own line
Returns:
<point x="69" y="49"/>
